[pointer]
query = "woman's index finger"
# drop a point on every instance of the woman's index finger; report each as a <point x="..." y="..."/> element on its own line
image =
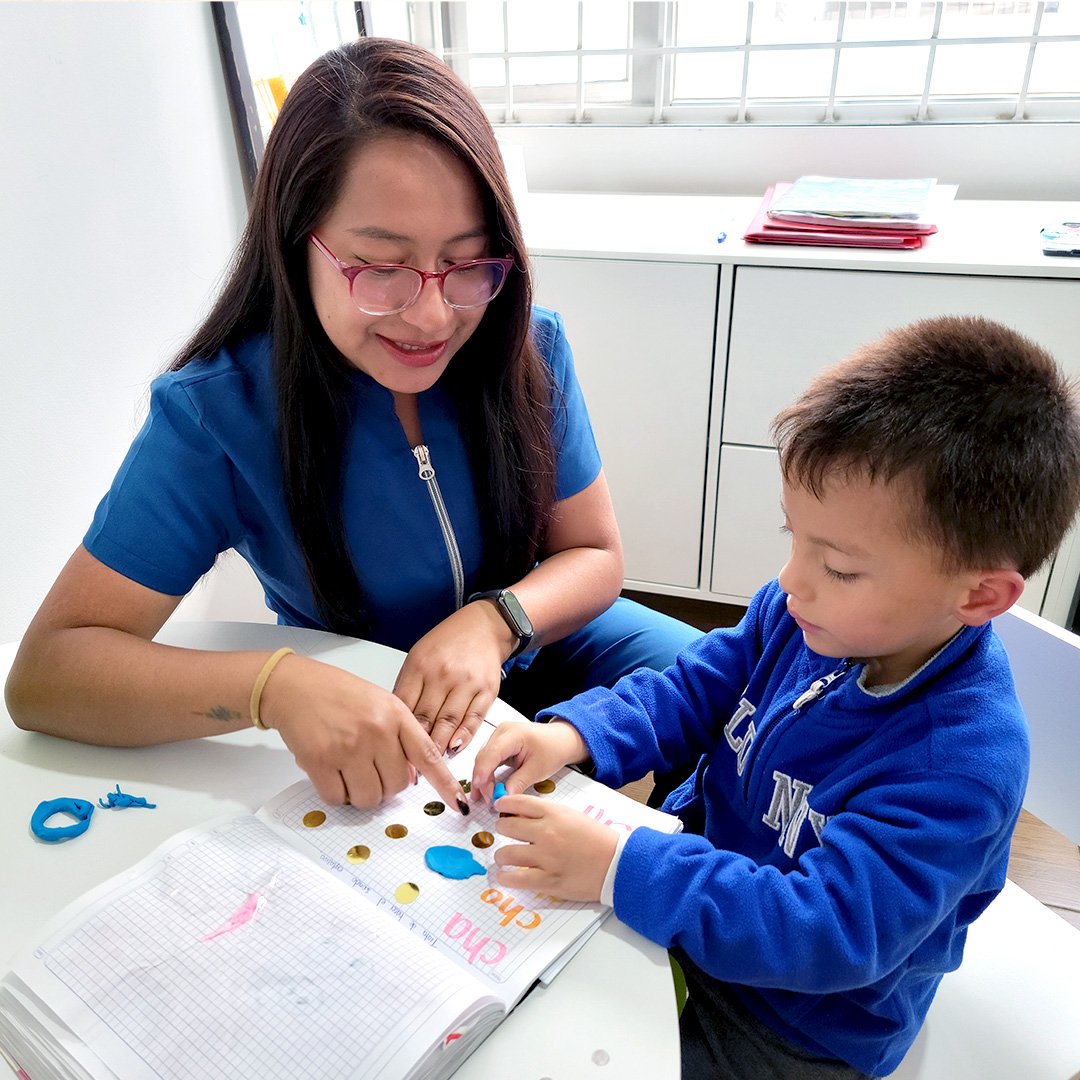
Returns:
<point x="424" y="756"/>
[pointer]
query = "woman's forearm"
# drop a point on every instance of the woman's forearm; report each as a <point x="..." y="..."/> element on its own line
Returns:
<point x="566" y="590"/>
<point x="105" y="686"/>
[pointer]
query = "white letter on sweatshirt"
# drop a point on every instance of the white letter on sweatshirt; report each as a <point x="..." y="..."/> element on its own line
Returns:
<point x="788" y="810"/>
<point x="740" y="745"/>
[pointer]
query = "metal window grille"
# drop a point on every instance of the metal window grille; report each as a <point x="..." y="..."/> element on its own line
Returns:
<point x="703" y="62"/>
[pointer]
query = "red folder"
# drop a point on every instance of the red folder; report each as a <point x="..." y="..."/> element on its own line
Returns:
<point x="764" y="230"/>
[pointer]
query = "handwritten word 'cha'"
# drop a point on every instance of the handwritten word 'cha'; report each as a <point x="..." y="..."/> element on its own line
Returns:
<point x="479" y="950"/>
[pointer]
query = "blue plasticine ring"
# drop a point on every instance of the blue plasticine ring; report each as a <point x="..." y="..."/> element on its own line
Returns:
<point x="79" y="809"/>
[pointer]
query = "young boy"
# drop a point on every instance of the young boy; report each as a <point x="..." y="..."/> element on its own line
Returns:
<point x="855" y="753"/>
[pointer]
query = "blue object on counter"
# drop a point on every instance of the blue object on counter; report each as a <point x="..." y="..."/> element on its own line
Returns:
<point x="79" y="809"/>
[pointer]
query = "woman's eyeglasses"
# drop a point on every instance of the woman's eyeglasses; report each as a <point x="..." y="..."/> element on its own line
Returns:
<point x="386" y="289"/>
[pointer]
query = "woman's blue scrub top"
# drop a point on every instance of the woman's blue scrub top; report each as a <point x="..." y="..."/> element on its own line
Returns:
<point x="204" y="475"/>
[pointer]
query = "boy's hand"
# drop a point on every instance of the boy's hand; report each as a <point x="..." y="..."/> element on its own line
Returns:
<point x="535" y="751"/>
<point x="563" y="852"/>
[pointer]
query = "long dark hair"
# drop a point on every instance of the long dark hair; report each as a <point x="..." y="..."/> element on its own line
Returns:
<point x="500" y="384"/>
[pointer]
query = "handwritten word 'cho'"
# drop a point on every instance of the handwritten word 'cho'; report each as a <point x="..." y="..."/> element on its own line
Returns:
<point x="511" y="909"/>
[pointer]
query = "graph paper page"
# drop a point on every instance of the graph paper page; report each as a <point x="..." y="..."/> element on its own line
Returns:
<point x="509" y="938"/>
<point x="227" y="954"/>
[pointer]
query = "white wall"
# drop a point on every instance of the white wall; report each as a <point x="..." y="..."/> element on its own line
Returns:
<point x="120" y="201"/>
<point x="1006" y="161"/>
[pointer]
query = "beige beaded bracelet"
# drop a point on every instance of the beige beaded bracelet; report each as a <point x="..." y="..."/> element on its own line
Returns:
<point x="260" y="682"/>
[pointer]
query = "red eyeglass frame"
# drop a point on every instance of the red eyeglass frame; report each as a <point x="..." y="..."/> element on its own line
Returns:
<point x="351" y="273"/>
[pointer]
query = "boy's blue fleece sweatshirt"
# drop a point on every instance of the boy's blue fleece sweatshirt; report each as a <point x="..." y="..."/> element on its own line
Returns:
<point x="834" y="855"/>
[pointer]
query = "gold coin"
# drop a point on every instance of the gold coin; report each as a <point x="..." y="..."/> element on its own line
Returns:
<point x="544" y="787"/>
<point x="483" y="839"/>
<point x="396" y="832"/>
<point x="314" y="818"/>
<point x="358" y="853"/>
<point x="433" y="809"/>
<point x="406" y="892"/>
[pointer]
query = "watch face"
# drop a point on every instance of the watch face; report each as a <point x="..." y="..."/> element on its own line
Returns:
<point x="517" y="613"/>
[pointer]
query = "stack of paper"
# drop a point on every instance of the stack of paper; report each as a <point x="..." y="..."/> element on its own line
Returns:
<point x="846" y="212"/>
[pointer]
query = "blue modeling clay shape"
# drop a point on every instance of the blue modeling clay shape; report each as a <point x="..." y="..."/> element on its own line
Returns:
<point x="498" y="792"/>
<point x="119" y="800"/>
<point x="79" y="809"/>
<point x="452" y="862"/>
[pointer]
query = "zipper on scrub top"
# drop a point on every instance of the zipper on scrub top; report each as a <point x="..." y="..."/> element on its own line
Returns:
<point x="427" y="474"/>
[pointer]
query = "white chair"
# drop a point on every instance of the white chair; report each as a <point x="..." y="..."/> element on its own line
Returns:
<point x="1012" y="1010"/>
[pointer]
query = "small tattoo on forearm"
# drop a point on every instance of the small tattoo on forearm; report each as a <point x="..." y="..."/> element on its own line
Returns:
<point x="222" y="713"/>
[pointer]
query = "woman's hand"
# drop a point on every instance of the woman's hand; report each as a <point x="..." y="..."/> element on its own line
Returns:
<point x="355" y="741"/>
<point x="453" y="674"/>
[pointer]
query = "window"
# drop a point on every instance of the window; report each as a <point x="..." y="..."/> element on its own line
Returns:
<point x="1004" y="75"/>
<point x="281" y="38"/>
<point x="704" y="62"/>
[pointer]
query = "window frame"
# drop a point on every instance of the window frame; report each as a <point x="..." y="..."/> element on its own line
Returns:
<point x="441" y="27"/>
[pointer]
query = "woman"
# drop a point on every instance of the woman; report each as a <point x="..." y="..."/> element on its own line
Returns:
<point x="375" y="417"/>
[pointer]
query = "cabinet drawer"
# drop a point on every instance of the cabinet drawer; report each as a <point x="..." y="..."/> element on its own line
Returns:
<point x="748" y="546"/>
<point x="642" y="337"/>
<point x="787" y="324"/>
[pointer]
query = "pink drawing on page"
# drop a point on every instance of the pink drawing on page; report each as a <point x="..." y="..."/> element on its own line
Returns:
<point x="240" y="917"/>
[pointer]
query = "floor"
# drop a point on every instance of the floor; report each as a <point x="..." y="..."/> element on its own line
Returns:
<point x="1042" y="861"/>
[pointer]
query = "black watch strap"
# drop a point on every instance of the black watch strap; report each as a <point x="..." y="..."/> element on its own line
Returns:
<point x="513" y="614"/>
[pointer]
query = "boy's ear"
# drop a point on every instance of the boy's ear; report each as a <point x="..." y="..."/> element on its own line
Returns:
<point x="993" y="592"/>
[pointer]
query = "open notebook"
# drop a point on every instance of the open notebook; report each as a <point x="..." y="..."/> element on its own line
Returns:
<point x="305" y="941"/>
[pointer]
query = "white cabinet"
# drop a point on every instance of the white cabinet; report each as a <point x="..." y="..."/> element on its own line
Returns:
<point x="642" y="338"/>
<point x="826" y="315"/>
<point x="749" y="548"/>
<point x="688" y="341"/>
<point x="787" y="324"/>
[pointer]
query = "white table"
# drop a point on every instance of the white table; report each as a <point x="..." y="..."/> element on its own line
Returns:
<point x="609" y="1014"/>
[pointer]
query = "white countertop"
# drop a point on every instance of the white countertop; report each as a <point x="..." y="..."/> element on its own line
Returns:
<point x="974" y="236"/>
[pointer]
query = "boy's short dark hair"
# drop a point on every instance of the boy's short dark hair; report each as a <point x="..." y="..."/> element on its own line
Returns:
<point x="979" y="419"/>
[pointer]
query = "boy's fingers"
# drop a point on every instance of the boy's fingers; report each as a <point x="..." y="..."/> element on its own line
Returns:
<point x="523" y="855"/>
<point x="523" y="877"/>
<point x="526" y="806"/>
<point x="503" y="746"/>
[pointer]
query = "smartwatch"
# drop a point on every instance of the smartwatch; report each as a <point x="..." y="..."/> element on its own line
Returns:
<point x="514" y="614"/>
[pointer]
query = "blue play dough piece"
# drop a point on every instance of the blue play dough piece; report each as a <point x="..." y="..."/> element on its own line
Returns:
<point x="498" y="792"/>
<point x="452" y="862"/>
<point x="79" y="809"/>
<point x="119" y="800"/>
